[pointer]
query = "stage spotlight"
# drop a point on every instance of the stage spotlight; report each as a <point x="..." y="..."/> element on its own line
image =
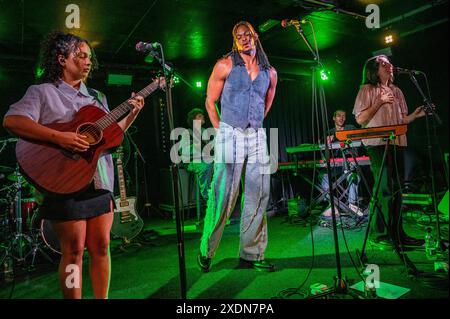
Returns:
<point x="324" y="75"/>
<point x="176" y="79"/>
<point x="198" y="84"/>
<point x="149" y="58"/>
<point x="389" y="38"/>
<point x="268" y="24"/>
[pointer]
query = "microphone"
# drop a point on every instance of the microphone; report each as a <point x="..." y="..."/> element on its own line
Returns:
<point x="405" y="71"/>
<point x="145" y="47"/>
<point x="287" y="22"/>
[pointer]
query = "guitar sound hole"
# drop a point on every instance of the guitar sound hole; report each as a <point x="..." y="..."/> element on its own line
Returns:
<point x="91" y="131"/>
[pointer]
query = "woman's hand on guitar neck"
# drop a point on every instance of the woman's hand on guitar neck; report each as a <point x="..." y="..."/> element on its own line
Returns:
<point x="138" y="102"/>
<point x="72" y="141"/>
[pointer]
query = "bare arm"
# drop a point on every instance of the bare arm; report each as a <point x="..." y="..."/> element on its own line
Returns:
<point x="365" y="116"/>
<point x="418" y="112"/>
<point x="215" y="86"/>
<point x="271" y="91"/>
<point x="25" y="127"/>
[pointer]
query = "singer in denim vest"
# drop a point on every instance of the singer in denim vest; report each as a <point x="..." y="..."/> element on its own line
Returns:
<point x="246" y="83"/>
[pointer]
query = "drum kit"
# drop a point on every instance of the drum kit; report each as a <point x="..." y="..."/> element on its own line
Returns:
<point x="23" y="234"/>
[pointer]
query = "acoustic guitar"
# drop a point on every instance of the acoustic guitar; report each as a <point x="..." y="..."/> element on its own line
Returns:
<point x="54" y="170"/>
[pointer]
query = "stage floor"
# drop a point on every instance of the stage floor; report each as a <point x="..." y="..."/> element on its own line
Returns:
<point x="151" y="270"/>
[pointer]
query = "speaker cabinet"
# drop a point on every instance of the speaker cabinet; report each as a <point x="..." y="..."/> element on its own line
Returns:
<point x="186" y="190"/>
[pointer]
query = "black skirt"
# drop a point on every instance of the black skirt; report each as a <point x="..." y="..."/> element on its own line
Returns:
<point x="90" y="203"/>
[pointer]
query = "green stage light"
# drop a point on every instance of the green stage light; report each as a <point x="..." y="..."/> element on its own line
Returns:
<point x="119" y="79"/>
<point x="176" y="79"/>
<point x="324" y="75"/>
<point x="39" y="72"/>
<point x="268" y="24"/>
<point x="198" y="84"/>
<point x="149" y="58"/>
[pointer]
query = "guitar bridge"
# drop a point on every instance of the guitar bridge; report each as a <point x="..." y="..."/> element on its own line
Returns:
<point x="71" y="155"/>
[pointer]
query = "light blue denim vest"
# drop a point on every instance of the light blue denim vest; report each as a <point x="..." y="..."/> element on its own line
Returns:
<point x="243" y="100"/>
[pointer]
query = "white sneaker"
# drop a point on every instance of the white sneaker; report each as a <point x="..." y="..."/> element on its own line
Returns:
<point x="356" y="209"/>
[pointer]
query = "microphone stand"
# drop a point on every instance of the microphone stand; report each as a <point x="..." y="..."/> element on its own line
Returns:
<point x="172" y="72"/>
<point x="137" y="153"/>
<point x="340" y="285"/>
<point x="429" y="109"/>
<point x="168" y="72"/>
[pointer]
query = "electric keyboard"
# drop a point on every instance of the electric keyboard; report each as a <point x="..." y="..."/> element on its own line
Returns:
<point x="320" y="147"/>
<point x="334" y="162"/>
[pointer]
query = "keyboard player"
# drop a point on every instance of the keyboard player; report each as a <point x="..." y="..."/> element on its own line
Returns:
<point x="339" y="117"/>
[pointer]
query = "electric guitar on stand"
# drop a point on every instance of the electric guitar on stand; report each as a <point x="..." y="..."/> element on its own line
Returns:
<point x="127" y="224"/>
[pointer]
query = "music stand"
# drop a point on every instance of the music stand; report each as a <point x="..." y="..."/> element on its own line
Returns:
<point x="389" y="133"/>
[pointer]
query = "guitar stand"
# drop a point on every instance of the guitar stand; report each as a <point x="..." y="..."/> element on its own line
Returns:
<point x="148" y="236"/>
<point x="127" y="243"/>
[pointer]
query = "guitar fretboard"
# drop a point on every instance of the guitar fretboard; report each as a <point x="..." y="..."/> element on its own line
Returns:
<point x="123" y="193"/>
<point x="125" y="107"/>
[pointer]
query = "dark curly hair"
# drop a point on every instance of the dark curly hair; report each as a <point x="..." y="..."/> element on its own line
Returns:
<point x="59" y="43"/>
<point x="192" y="114"/>
<point x="370" y="70"/>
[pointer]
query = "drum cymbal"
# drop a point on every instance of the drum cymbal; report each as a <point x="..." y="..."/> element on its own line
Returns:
<point x="6" y="169"/>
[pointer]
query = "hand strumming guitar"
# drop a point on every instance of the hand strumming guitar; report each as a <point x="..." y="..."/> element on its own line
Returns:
<point x="72" y="141"/>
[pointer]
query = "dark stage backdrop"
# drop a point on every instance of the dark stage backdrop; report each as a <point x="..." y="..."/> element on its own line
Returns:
<point x="291" y="112"/>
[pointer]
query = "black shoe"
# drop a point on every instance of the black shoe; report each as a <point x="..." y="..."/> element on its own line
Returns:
<point x="262" y="265"/>
<point x="204" y="263"/>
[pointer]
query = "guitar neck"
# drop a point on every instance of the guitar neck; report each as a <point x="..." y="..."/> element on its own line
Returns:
<point x="125" y="107"/>
<point x="123" y="193"/>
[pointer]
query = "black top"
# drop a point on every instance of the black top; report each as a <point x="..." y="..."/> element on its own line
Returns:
<point x="338" y="152"/>
<point x="333" y="131"/>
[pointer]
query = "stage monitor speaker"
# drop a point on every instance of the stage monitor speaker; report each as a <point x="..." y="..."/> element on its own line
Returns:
<point x="443" y="205"/>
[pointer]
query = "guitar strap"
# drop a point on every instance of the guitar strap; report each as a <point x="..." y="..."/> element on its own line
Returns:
<point x="97" y="96"/>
